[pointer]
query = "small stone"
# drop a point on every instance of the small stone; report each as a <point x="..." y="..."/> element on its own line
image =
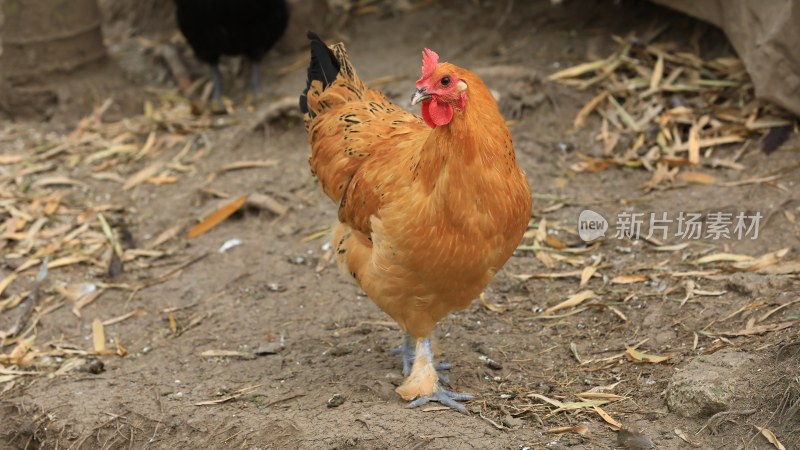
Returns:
<point x="276" y="287"/>
<point x="335" y="401"/>
<point x="490" y="363"/>
<point x="634" y="440"/>
<point x="564" y="146"/>
<point x="224" y="390"/>
<point x="748" y="284"/>
<point x="297" y="260"/>
<point x="494" y="365"/>
<point x="512" y="422"/>
<point x="269" y="348"/>
<point x="96" y="366"/>
<point x="705" y="386"/>
<point x="340" y="350"/>
<point x="92" y="366"/>
<point x="480" y="348"/>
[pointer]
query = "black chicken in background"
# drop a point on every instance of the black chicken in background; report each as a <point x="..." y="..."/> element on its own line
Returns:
<point x="231" y="27"/>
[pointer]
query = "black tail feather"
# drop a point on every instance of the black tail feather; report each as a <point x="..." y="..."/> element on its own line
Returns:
<point x="323" y="67"/>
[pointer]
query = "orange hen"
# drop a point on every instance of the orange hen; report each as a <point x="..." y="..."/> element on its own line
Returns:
<point x="430" y="207"/>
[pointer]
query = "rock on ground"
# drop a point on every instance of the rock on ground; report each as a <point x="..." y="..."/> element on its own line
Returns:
<point x="706" y="385"/>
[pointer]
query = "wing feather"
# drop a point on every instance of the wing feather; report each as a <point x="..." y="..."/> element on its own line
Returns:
<point x="356" y="136"/>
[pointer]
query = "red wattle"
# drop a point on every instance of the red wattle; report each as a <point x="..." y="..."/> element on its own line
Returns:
<point x="436" y="114"/>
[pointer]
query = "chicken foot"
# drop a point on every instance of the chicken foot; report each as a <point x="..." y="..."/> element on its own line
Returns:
<point x="446" y="398"/>
<point x="422" y="384"/>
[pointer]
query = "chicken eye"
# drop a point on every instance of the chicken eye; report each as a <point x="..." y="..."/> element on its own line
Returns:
<point x="445" y="81"/>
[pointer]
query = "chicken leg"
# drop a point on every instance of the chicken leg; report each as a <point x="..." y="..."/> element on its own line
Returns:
<point x="407" y="352"/>
<point x="216" y="80"/>
<point x="422" y="384"/>
<point x="255" y="84"/>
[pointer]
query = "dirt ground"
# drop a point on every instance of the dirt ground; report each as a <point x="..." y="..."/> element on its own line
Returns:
<point x="320" y="342"/>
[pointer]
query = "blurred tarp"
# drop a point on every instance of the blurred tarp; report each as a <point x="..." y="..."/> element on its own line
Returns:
<point x="765" y="34"/>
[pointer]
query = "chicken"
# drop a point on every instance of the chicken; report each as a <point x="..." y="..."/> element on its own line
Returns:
<point x="231" y="27"/>
<point x="430" y="207"/>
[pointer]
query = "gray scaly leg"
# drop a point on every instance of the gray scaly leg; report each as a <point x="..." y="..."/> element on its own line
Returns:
<point x="407" y="352"/>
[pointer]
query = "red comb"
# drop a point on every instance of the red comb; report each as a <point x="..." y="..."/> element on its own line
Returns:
<point x="430" y="60"/>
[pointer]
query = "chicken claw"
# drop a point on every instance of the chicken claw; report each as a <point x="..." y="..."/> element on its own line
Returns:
<point x="446" y="398"/>
<point x="424" y="385"/>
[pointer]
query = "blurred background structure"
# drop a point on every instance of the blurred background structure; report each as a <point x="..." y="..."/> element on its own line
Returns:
<point x="45" y="42"/>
